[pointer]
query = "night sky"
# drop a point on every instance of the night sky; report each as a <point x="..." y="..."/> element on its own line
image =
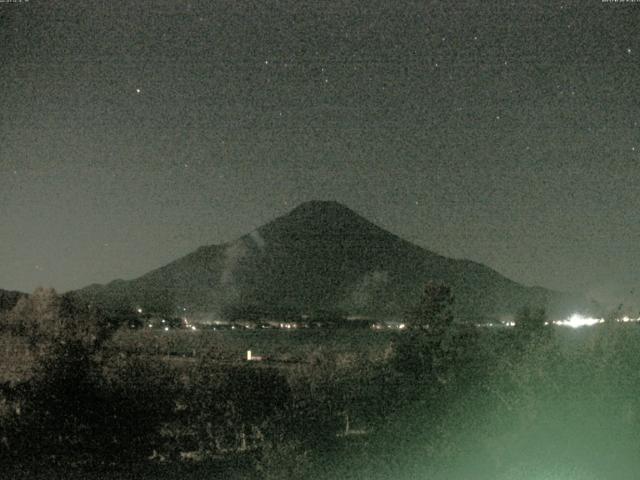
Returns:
<point x="508" y="133"/>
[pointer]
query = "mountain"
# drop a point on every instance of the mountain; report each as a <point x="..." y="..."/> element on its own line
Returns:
<point x="320" y="257"/>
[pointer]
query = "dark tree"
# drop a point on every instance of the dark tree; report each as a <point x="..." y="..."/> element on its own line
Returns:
<point x="530" y="320"/>
<point x="435" y="311"/>
<point x="427" y="352"/>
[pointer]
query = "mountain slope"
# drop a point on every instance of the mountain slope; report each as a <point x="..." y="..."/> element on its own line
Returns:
<point x="321" y="256"/>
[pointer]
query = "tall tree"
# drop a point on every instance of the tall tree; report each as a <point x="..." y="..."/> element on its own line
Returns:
<point x="435" y="311"/>
<point x="427" y="350"/>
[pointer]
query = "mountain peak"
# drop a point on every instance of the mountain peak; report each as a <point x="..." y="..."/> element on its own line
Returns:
<point x="321" y="207"/>
<point x="322" y="215"/>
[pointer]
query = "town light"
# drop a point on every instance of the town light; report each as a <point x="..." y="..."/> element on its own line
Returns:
<point x="576" y="320"/>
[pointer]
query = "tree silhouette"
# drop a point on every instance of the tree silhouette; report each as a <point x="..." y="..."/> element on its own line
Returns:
<point x="530" y="320"/>
<point x="435" y="311"/>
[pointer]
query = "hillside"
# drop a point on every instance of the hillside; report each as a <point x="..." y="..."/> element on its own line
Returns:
<point x="320" y="257"/>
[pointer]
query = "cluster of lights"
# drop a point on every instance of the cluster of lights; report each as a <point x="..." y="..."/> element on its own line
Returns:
<point x="165" y="323"/>
<point x="385" y="326"/>
<point x="574" y="321"/>
<point x="491" y="324"/>
<point x="288" y="326"/>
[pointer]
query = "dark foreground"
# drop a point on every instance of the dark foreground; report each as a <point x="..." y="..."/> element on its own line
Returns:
<point x="459" y="404"/>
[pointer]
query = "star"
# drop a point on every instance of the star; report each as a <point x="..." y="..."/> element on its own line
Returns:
<point x="138" y="90"/>
<point x="629" y="50"/>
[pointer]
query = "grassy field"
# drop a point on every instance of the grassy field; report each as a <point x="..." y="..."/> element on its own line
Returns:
<point x="283" y="345"/>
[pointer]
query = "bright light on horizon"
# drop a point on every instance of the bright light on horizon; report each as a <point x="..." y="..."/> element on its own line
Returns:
<point x="576" y="321"/>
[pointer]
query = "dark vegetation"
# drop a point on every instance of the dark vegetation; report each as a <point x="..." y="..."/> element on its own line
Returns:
<point x="83" y="395"/>
<point x="9" y="299"/>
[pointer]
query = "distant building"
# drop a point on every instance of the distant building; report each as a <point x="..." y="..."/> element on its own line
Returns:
<point x="253" y="358"/>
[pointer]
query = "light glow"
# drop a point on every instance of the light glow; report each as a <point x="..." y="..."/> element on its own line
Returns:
<point x="576" y="321"/>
